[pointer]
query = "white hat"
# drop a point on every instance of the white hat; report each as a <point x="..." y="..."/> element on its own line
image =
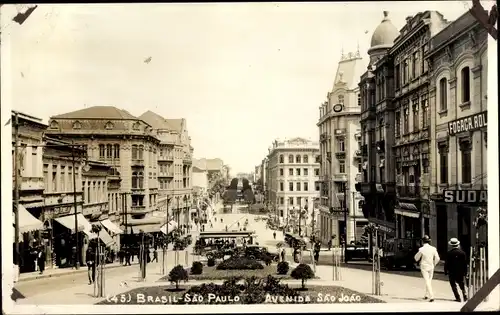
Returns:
<point x="454" y="242"/>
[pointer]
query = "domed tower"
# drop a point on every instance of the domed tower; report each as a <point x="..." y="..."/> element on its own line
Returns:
<point x="383" y="38"/>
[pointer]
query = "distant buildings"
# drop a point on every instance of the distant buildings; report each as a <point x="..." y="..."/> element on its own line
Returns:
<point x="340" y="151"/>
<point x="293" y="174"/>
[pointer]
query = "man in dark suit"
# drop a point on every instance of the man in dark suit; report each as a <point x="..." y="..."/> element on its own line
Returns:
<point x="456" y="268"/>
<point x="41" y="259"/>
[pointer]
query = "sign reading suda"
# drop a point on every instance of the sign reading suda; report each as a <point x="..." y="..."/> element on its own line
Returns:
<point x="469" y="123"/>
<point x="468" y="197"/>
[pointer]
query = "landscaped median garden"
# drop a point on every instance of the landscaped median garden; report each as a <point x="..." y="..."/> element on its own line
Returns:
<point x="239" y="280"/>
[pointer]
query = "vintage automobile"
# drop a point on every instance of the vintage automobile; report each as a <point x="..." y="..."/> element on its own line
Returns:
<point x="260" y="253"/>
<point x="357" y="251"/>
<point x="294" y="240"/>
<point x="398" y="253"/>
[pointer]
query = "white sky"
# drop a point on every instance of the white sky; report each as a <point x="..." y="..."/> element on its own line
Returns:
<point x="241" y="74"/>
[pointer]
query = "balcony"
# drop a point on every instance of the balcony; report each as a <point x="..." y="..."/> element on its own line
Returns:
<point x="340" y="155"/>
<point x="166" y="175"/>
<point x="329" y="156"/>
<point x="187" y="160"/>
<point x="324" y="137"/>
<point x="367" y="188"/>
<point x="138" y="209"/>
<point x="340" y="178"/>
<point x="364" y="150"/>
<point x="59" y="198"/>
<point x="412" y="192"/>
<point x="340" y="132"/>
<point x="358" y="154"/>
<point x="165" y="158"/>
<point x="31" y="183"/>
<point x="381" y="146"/>
<point x="138" y="191"/>
<point x="137" y="162"/>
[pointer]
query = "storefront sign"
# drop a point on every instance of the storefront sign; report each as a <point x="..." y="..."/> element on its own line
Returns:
<point x="469" y="123"/>
<point x="470" y="197"/>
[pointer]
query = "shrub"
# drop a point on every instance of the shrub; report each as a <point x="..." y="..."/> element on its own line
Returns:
<point x="239" y="263"/>
<point x="302" y="272"/>
<point x="211" y="262"/>
<point x="178" y="274"/>
<point x="283" y="267"/>
<point x="196" y="268"/>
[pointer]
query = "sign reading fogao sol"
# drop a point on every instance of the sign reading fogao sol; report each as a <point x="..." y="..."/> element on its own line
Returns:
<point x="469" y="123"/>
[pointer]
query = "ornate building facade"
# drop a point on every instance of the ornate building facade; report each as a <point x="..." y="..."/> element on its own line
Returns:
<point x="458" y="99"/>
<point x="340" y="151"/>
<point x="293" y="174"/>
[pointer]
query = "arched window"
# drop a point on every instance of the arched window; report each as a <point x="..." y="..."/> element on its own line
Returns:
<point x="465" y="84"/>
<point x="134" y="180"/>
<point x="297" y="159"/>
<point x="141" y="152"/>
<point x="361" y="204"/>
<point x="341" y="99"/>
<point x="116" y="152"/>
<point x="290" y="158"/>
<point x="102" y="151"/>
<point x="282" y="159"/>
<point x="306" y="159"/>
<point x="443" y="94"/>
<point x="140" y="177"/>
<point x="109" y="151"/>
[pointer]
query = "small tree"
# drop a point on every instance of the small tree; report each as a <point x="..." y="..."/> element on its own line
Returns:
<point x="302" y="272"/>
<point x="197" y="268"/>
<point x="178" y="274"/>
<point x="283" y="268"/>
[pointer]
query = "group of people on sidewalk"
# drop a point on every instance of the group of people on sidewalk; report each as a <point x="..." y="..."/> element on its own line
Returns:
<point x="455" y="267"/>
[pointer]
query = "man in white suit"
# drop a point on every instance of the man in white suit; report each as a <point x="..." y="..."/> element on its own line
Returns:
<point x="428" y="258"/>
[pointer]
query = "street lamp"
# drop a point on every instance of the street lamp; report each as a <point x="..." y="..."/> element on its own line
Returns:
<point x="185" y="198"/>
<point x="86" y="168"/>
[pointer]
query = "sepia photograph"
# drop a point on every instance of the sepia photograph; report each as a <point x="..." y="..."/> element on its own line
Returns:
<point x="201" y="157"/>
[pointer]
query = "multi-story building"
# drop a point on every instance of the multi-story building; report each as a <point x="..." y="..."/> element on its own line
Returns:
<point x="340" y="150"/>
<point x="293" y="175"/>
<point x="457" y="98"/>
<point x="395" y="123"/>
<point x="174" y="162"/>
<point x="129" y="145"/>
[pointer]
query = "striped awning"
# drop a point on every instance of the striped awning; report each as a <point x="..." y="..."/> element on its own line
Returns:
<point x="407" y="210"/>
<point x="113" y="228"/>
<point x="27" y="222"/>
<point x="105" y="238"/>
<point x="68" y="221"/>
<point x="171" y="226"/>
<point x="147" y="228"/>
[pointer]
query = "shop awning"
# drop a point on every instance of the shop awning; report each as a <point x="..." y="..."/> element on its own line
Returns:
<point x="105" y="237"/>
<point x="407" y="210"/>
<point x="147" y="228"/>
<point x="83" y="225"/>
<point x="171" y="226"/>
<point x="27" y="222"/>
<point x="113" y="228"/>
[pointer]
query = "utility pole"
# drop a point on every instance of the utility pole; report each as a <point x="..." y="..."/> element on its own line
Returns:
<point x="344" y="204"/>
<point x="77" y="245"/>
<point x="17" y="183"/>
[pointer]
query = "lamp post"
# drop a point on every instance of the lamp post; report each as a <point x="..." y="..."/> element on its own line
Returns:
<point x="184" y="199"/>
<point x="344" y="206"/>
<point x="165" y="243"/>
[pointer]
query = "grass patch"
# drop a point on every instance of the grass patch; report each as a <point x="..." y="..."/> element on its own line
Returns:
<point x="211" y="273"/>
<point x="314" y="294"/>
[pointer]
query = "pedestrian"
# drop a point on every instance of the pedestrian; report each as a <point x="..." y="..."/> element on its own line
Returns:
<point x="455" y="267"/>
<point x="317" y="249"/>
<point x="73" y="256"/>
<point x="41" y="259"/>
<point x="221" y="221"/>
<point x="238" y="223"/>
<point x="128" y="257"/>
<point x="91" y="264"/>
<point x="329" y="245"/>
<point x="155" y="255"/>
<point x="427" y="257"/>
<point x="120" y="255"/>
<point x="274" y="234"/>
<point x="282" y="253"/>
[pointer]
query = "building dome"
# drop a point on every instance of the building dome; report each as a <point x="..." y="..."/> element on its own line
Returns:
<point x="385" y="34"/>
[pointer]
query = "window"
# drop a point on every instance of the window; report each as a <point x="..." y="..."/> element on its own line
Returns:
<point x="290" y="171"/>
<point x="140" y="152"/>
<point x="359" y="99"/>
<point x="341" y="99"/>
<point x="282" y="201"/>
<point x="341" y="145"/>
<point x="70" y="178"/>
<point x="466" y="148"/>
<point x="281" y="172"/>
<point x="398" y="124"/>
<point x="360" y="168"/>
<point x="134" y="152"/>
<point x="465" y="84"/>
<point x="341" y="167"/>
<point x="382" y="174"/>
<point x="317" y="159"/>
<point x="306" y="186"/>
<point x="305" y="159"/>
<point x="306" y="172"/>
<point x="109" y="151"/>
<point x="415" y="65"/>
<point x="63" y="178"/>
<point x="282" y="159"/>
<point x="116" y="151"/>
<point x="297" y="159"/>
<point x="46" y="175"/>
<point x="397" y="76"/>
<point x="290" y="201"/>
<point x="443" y="163"/>
<point x="405" y="71"/>
<point x="425" y="112"/>
<point x="316" y="172"/>
<point x="282" y="186"/>
<point x="34" y="161"/>
<point x="290" y="186"/>
<point x="406" y="127"/>
<point x="297" y="171"/>
<point x="443" y="94"/>
<point x="297" y="186"/>
<point x="54" y="179"/>
<point x="290" y="158"/>
<point x="415" y="115"/>
<point x="381" y="135"/>
<point x="317" y="186"/>
<point x="102" y="151"/>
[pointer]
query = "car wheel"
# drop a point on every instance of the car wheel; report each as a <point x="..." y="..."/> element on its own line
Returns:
<point x="252" y="257"/>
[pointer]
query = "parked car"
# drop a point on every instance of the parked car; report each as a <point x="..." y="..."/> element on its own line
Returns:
<point x="357" y="251"/>
<point x="398" y="253"/>
<point x="260" y="253"/>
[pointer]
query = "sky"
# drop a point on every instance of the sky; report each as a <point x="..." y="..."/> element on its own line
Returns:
<point x="241" y="74"/>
